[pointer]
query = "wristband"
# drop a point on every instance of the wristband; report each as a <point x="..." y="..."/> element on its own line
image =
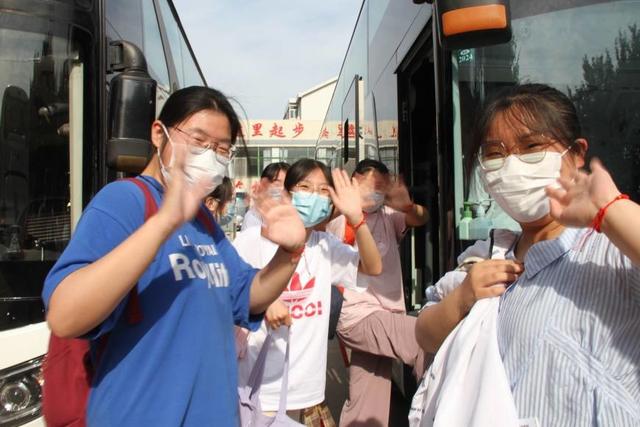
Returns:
<point x="359" y="224"/>
<point x="295" y="254"/>
<point x="597" y="221"/>
<point x="408" y="208"/>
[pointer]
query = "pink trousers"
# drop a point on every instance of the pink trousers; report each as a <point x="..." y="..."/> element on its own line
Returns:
<point x="374" y="342"/>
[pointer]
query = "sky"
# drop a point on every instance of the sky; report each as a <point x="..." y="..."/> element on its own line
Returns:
<point x="263" y="52"/>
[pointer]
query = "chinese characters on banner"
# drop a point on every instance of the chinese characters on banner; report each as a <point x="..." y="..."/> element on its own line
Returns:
<point x="311" y="130"/>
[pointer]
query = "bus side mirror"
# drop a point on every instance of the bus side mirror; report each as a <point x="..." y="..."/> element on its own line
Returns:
<point x="132" y="109"/>
<point x="465" y="24"/>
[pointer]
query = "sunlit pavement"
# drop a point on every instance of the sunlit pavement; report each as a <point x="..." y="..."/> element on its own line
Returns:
<point x="337" y="389"/>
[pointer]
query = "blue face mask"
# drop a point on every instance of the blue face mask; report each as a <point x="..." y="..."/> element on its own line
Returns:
<point x="225" y="219"/>
<point x="312" y="207"/>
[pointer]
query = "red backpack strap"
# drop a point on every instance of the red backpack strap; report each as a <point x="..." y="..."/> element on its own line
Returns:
<point x="134" y="310"/>
<point x="205" y="219"/>
<point x="150" y="205"/>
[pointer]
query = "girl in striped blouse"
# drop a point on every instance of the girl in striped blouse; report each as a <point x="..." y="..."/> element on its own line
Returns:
<point x="569" y="319"/>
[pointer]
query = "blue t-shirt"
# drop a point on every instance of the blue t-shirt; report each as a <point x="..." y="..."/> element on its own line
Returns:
<point x="178" y="365"/>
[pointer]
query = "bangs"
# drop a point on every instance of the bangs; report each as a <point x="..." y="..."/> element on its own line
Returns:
<point x="534" y="116"/>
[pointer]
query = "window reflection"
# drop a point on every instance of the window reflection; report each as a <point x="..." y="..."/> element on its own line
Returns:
<point x="591" y="53"/>
<point x="34" y="147"/>
<point x="186" y="68"/>
<point x="136" y="22"/>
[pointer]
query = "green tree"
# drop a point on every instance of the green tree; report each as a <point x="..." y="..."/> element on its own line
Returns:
<point x="608" y="103"/>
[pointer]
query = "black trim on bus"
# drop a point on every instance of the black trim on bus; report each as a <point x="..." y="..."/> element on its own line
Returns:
<point x="100" y="155"/>
<point x="166" y="47"/>
<point x="444" y="136"/>
<point x="186" y="39"/>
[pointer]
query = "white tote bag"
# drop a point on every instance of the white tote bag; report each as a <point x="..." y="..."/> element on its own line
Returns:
<point x="466" y="385"/>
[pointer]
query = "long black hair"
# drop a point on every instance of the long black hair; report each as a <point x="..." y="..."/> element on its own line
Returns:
<point x="272" y="170"/>
<point x="303" y="167"/>
<point x="368" y="165"/>
<point x="223" y="193"/>
<point x="540" y="108"/>
<point x="188" y="101"/>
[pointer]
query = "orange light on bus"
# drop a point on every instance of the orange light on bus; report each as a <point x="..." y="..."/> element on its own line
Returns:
<point x="474" y="18"/>
<point x="465" y="24"/>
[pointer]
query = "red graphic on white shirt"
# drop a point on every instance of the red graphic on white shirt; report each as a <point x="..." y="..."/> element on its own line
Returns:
<point x="296" y="294"/>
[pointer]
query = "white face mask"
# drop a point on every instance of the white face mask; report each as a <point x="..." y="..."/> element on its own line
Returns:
<point x="518" y="187"/>
<point x="374" y="201"/>
<point x="207" y="166"/>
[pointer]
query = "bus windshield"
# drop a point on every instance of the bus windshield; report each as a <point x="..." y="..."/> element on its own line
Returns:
<point x="34" y="166"/>
<point x="588" y="50"/>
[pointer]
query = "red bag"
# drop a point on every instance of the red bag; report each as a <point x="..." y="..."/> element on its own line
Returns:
<point x="68" y="368"/>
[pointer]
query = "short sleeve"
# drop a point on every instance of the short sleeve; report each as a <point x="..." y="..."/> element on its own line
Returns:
<point x="245" y="244"/>
<point x="443" y="287"/>
<point x="241" y="278"/>
<point x="344" y="263"/>
<point x="451" y="280"/>
<point x="398" y="220"/>
<point x="336" y="227"/>
<point x="109" y="219"/>
<point x="251" y="219"/>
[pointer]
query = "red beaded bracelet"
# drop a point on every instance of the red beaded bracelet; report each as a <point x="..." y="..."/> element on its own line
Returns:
<point x="597" y="221"/>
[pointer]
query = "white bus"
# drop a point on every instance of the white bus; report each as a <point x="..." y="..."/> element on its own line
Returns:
<point x="411" y="92"/>
<point x="76" y="100"/>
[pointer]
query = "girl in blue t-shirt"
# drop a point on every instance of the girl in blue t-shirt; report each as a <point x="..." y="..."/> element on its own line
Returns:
<point x="177" y="365"/>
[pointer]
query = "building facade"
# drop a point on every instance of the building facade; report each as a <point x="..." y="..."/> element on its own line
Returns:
<point x="286" y="140"/>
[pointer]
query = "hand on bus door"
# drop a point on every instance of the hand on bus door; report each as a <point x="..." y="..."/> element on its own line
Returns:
<point x="397" y="196"/>
<point x="346" y="196"/>
<point x="277" y="315"/>
<point x="182" y="200"/>
<point x="579" y="199"/>
<point x="281" y="222"/>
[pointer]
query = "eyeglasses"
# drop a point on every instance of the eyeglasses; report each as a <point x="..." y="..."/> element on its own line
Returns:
<point x="199" y="145"/>
<point x="309" y="187"/>
<point x="530" y="148"/>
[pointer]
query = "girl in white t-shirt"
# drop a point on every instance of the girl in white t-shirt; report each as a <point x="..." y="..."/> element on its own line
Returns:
<point x="304" y="305"/>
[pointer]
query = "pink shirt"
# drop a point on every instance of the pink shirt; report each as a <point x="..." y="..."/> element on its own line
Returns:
<point x="383" y="292"/>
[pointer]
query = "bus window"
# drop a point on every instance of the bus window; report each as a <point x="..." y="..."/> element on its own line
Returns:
<point x="186" y="68"/>
<point x="369" y="130"/>
<point x="386" y="114"/>
<point x="35" y="125"/>
<point x="135" y="21"/>
<point x="350" y="126"/>
<point x="558" y="46"/>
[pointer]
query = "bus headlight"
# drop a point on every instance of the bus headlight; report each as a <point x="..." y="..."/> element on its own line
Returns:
<point x="21" y="392"/>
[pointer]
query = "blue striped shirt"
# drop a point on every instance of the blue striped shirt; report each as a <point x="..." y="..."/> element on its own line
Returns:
<point x="569" y="333"/>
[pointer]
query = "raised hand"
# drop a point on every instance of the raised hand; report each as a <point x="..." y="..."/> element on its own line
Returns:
<point x="277" y="315"/>
<point x="397" y="196"/>
<point x="182" y="199"/>
<point x="281" y="222"/>
<point x="582" y="195"/>
<point x="346" y="196"/>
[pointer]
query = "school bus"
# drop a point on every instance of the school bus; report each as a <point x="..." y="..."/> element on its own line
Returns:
<point x="80" y="83"/>
<point x="416" y="72"/>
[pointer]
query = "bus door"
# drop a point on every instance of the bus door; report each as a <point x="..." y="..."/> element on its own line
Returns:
<point x="418" y="156"/>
